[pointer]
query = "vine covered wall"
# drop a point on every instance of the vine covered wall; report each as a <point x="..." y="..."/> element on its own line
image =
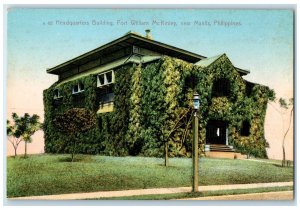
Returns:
<point x="153" y="107"/>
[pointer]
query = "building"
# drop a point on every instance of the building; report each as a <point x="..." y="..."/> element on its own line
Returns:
<point x="141" y="91"/>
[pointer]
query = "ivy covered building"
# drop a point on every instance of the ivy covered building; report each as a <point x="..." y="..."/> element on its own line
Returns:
<point x="141" y="91"/>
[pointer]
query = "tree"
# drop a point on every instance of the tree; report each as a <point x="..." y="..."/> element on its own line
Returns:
<point x="73" y="122"/>
<point x="13" y="135"/>
<point x="284" y="105"/>
<point x="22" y="129"/>
<point x="28" y="126"/>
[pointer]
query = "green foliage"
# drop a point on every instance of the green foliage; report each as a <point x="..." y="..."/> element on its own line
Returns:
<point x="153" y="109"/>
<point x="119" y="122"/>
<point x="134" y="136"/>
<point x="28" y="126"/>
<point x="22" y="129"/>
<point x="153" y="105"/>
<point x="283" y="103"/>
<point x="55" y="141"/>
<point x="75" y="120"/>
<point x="13" y="133"/>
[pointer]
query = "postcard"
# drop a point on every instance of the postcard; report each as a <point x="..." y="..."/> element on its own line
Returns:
<point x="149" y="104"/>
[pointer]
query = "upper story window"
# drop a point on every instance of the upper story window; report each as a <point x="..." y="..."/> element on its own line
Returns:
<point x="135" y="49"/>
<point x="105" y="95"/>
<point x="221" y="87"/>
<point x="245" y="129"/>
<point x="107" y="98"/>
<point x="105" y="78"/>
<point x="57" y="94"/>
<point x="249" y="88"/>
<point x="78" y="88"/>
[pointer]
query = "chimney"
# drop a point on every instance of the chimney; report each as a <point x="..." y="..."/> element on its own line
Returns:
<point x="148" y="34"/>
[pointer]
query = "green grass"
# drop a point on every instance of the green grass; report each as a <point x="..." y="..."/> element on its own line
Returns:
<point x="198" y="194"/>
<point x="270" y="161"/>
<point x="53" y="174"/>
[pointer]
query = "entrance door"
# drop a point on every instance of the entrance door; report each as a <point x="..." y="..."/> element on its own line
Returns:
<point x="216" y="132"/>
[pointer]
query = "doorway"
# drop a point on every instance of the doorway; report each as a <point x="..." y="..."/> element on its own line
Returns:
<point x="216" y="132"/>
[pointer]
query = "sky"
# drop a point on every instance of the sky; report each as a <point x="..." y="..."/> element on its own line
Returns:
<point x="260" y="41"/>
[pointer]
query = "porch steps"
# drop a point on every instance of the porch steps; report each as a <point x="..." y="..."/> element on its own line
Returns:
<point x="220" y="148"/>
<point x="222" y="151"/>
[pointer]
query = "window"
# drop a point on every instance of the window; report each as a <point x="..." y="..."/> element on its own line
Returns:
<point x="78" y="100"/>
<point x="101" y="79"/>
<point x="78" y="88"/>
<point x="105" y="95"/>
<point x="57" y="94"/>
<point x="109" y="77"/>
<point x="135" y="49"/>
<point x="105" y="78"/>
<point x="249" y="88"/>
<point x="221" y="88"/>
<point x="245" y="129"/>
<point x="105" y="99"/>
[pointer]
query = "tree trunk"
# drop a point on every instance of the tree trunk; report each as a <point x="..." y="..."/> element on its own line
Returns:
<point x="73" y="152"/>
<point x="166" y="154"/>
<point x="72" y="156"/>
<point x="283" y="158"/>
<point x="283" y="141"/>
<point x="15" y="151"/>
<point x="25" y="155"/>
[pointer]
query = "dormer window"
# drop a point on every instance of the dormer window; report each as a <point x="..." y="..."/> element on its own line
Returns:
<point x="105" y="78"/>
<point x="135" y="49"/>
<point x="57" y="94"/>
<point x="78" y="88"/>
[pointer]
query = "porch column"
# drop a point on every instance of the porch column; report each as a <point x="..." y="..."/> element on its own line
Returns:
<point x="227" y="136"/>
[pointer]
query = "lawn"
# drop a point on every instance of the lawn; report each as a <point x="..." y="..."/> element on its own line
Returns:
<point x="53" y="174"/>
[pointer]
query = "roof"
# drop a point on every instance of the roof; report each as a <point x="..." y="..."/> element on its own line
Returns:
<point x="104" y="68"/>
<point x="128" y="39"/>
<point x="208" y="61"/>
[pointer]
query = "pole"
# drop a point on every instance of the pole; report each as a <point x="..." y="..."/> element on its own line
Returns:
<point x="195" y="153"/>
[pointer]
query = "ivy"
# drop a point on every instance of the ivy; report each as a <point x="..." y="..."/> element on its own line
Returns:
<point x="153" y="105"/>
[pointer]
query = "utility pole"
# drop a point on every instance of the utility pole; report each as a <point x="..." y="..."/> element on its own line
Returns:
<point x="195" y="144"/>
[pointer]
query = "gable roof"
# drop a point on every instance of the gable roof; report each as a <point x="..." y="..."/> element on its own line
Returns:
<point x="208" y="61"/>
<point x="128" y="39"/>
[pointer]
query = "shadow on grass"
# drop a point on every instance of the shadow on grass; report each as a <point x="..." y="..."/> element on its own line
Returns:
<point x="280" y="166"/>
<point x="79" y="158"/>
<point x="169" y="166"/>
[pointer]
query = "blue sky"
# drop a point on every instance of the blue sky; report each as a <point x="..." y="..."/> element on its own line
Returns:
<point x="261" y="42"/>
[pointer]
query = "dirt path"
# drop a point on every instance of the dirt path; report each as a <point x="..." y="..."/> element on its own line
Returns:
<point x="107" y="194"/>
<point x="282" y="195"/>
